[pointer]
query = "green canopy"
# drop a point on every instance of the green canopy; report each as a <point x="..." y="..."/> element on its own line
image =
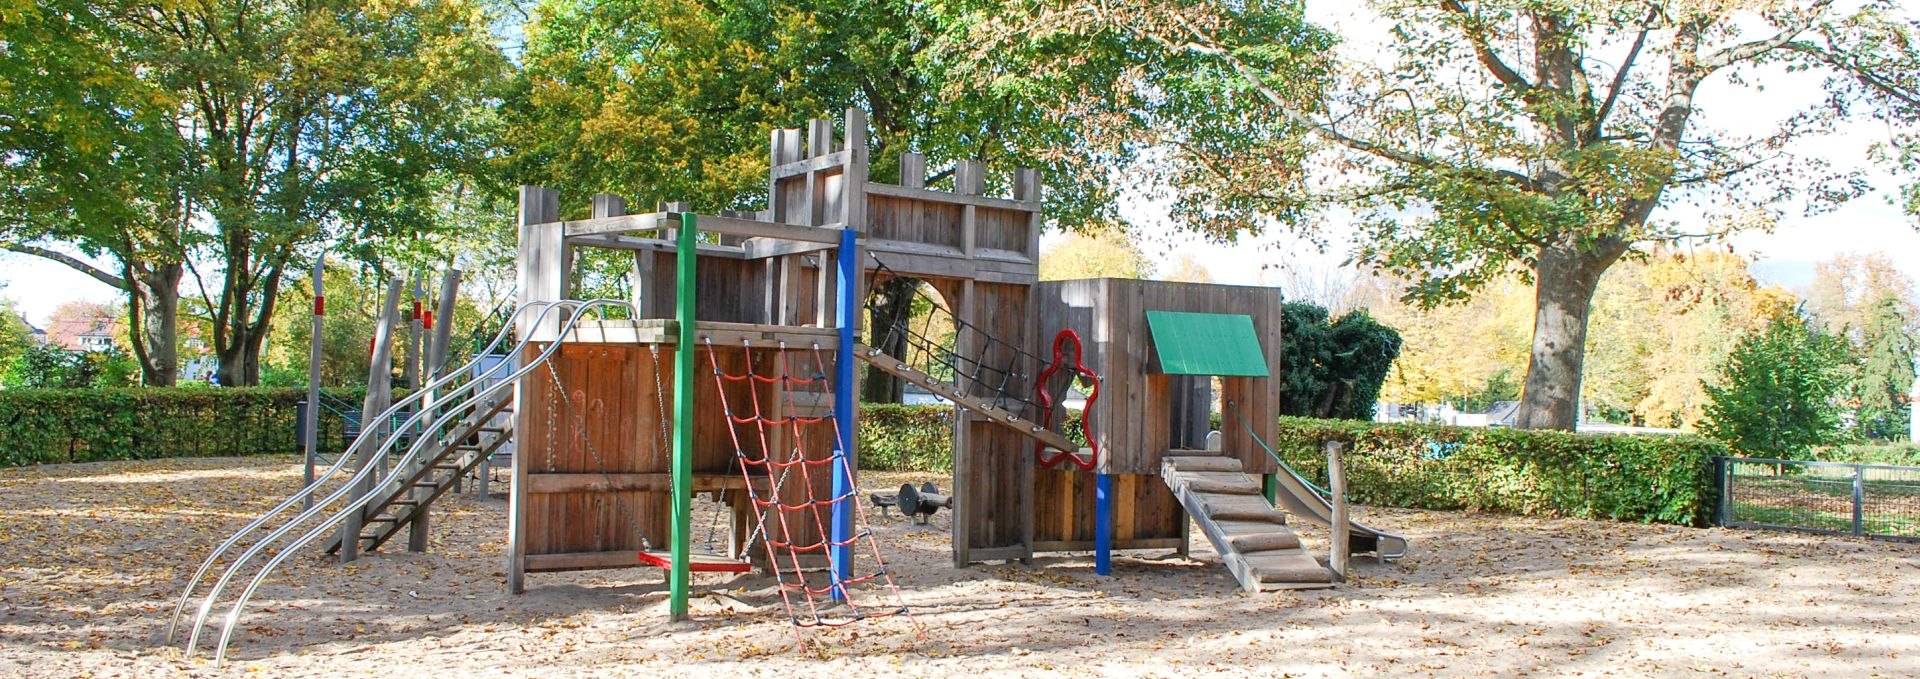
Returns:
<point x="1206" y="344"/>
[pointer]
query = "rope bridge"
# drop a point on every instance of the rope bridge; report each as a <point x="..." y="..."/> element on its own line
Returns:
<point x="778" y="461"/>
<point x="1004" y="383"/>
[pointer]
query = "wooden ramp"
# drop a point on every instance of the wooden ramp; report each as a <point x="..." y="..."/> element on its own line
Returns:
<point x="1252" y="537"/>
<point x="1030" y="429"/>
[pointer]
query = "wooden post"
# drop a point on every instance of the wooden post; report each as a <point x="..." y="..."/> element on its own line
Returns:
<point x="1342" y="529"/>
<point x="415" y="326"/>
<point x="311" y="418"/>
<point x="539" y="282"/>
<point x="440" y="327"/>
<point x="379" y="388"/>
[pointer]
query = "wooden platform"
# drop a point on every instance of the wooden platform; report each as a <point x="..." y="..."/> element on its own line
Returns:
<point x="1253" y="538"/>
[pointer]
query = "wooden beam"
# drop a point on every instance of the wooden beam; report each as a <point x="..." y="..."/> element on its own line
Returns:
<point x="549" y="483"/>
<point x="1027" y="428"/>
<point x="616" y="242"/>
<point x="582" y="561"/>
<point x="616" y="224"/>
<point x="952" y="198"/>
<point x="814" y="164"/>
<point x="734" y="226"/>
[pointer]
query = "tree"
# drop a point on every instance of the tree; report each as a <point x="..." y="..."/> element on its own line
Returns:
<point x="1488" y="137"/>
<point x="93" y="161"/>
<point x="1333" y="369"/>
<point x="1186" y="269"/>
<point x="668" y="100"/>
<point x="1777" y="394"/>
<point x="304" y="122"/>
<point x="1886" y="370"/>
<point x="1106" y="253"/>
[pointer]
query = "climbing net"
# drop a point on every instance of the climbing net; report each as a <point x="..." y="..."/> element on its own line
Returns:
<point x="779" y="454"/>
<point x="999" y="380"/>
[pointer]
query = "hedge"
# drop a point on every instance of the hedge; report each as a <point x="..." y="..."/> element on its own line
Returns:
<point x="85" y="425"/>
<point x="1654" y="479"/>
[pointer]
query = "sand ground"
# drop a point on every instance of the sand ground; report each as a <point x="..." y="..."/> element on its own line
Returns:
<point x="92" y="557"/>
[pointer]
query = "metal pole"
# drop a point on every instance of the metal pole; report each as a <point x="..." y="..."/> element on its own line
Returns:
<point x="846" y="317"/>
<point x="311" y="418"/>
<point x="1103" y="524"/>
<point x="1342" y="532"/>
<point x="1859" y="498"/>
<point x="678" y="573"/>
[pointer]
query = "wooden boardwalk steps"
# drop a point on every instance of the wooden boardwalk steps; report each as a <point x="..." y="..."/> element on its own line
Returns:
<point x="1253" y="538"/>
<point x="1030" y="429"/>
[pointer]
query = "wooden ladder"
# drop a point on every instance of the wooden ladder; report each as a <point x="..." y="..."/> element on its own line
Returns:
<point x="1251" y="536"/>
<point x="1030" y="429"/>
<point x="473" y="439"/>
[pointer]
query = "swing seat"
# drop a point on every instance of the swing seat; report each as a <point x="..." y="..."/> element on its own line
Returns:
<point x="697" y="563"/>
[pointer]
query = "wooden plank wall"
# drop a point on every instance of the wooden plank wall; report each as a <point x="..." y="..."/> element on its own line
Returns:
<point x="582" y="437"/>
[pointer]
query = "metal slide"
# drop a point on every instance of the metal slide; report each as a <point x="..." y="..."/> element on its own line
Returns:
<point x="462" y="399"/>
<point x="1299" y="498"/>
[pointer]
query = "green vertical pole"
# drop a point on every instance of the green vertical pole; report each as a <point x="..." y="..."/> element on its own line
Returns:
<point x="1270" y="487"/>
<point x="679" y="574"/>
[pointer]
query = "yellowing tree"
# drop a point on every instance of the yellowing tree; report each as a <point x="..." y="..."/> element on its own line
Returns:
<point x="1105" y="253"/>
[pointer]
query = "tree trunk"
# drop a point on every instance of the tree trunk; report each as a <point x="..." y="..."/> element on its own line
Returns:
<point x="153" y="321"/>
<point x="1566" y="277"/>
<point x="892" y="305"/>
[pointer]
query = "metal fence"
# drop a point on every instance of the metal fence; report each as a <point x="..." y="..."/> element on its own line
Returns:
<point x="1835" y="498"/>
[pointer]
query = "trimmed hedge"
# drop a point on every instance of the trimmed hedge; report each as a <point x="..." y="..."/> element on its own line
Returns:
<point x="39" y="426"/>
<point x="905" y="438"/>
<point x="1653" y="479"/>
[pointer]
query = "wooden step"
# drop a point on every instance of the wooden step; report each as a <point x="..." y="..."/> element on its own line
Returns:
<point x="1263" y="542"/>
<point x="1189" y="463"/>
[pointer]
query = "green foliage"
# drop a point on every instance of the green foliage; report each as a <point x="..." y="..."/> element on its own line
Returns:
<point x="39" y="426"/>
<point x="46" y="366"/>
<point x="15" y="338"/>
<point x="1651" y="479"/>
<point x="1885" y="371"/>
<point x="1333" y="369"/>
<point x="1500" y="386"/>
<point x="1777" y="393"/>
<point x="1899" y="454"/>
<point x="906" y="438"/>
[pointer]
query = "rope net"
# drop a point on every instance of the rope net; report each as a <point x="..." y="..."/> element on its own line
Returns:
<point x="1003" y="382"/>
<point x="774" y="446"/>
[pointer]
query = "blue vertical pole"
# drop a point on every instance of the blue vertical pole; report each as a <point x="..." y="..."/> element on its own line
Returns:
<point x="1103" y="524"/>
<point x="845" y="318"/>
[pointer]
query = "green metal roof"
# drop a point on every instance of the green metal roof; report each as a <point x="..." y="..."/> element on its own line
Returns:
<point x="1206" y="344"/>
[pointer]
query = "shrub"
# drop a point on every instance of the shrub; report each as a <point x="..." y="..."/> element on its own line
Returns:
<point x="86" y="425"/>
<point x="1898" y="454"/>
<point x="1776" y="394"/>
<point x="1664" y="479"/>
<point x="905" y="438"/>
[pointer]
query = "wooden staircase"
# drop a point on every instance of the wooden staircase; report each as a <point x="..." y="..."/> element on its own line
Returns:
<point x="1030" y="429"/>
<point x="470" y="442"/>
<point x="1252" y="537"/>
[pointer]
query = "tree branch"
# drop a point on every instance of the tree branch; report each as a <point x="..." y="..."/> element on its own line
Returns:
<point x="75" y="262"/>
<point x="1204" y="44"/>
<point x="1747" y="50"/>
<point x="1865" y="76"/>
<point x="1613" y="90"/>
<point x="1483" y="50"/>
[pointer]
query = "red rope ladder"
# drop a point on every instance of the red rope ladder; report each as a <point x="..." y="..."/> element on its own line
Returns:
<point x="791" y="578"/>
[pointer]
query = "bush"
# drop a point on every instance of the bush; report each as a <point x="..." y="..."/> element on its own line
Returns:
<point x="1663" y="479"/>
<point x="1777" y="393"/>
<point x="85" y="425"/>
<point x="905" y="438"/>
<point x="1898" y="454"/>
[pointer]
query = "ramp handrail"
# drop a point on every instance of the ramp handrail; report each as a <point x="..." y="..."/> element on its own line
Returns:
<point x="362" y="499"/>
<point x="321" y="479"/>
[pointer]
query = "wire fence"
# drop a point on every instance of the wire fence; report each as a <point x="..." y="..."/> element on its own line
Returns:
<point x="1879" y="501"/>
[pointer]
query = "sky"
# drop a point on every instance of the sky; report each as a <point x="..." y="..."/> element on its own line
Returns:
<point x="1786" y="255"/>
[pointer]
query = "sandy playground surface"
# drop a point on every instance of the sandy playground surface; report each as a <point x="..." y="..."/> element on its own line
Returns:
<point x="92" y="556"/>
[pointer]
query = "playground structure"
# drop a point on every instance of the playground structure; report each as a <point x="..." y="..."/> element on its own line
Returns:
<point x="730" y="372"/>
